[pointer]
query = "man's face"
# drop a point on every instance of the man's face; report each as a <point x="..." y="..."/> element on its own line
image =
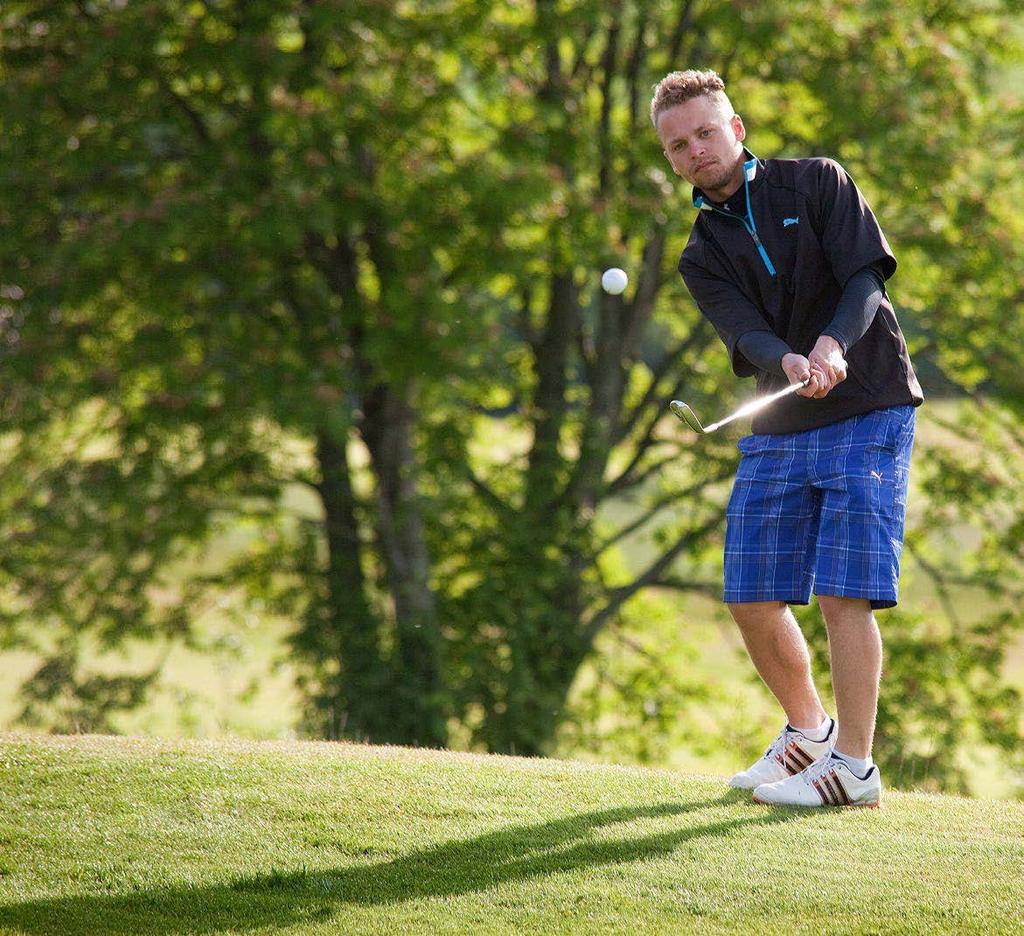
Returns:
<point x="704" y="145"/>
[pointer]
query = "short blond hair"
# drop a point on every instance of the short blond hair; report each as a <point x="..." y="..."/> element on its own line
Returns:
<point x="680" y="86"/>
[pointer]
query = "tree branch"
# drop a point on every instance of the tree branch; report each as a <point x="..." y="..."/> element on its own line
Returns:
<point x="619" y="327"/>
<point x="638" y="312"/>
<point x="652" y="574"/>
<point x="624" y="484"/>
<point x="660" y="504"/>
<point x="523" y="317"/>
<point x="945" y="599"/>
<point x="633" y="67"/>
<point x="699" y="332"/>
<point x="604" y="125"/>
<point x="675" y="44"/>
<point x="193" y="115"/>
<point x="675" y="583"/>
<point x="487" y="493"/>
<point x="647" y="441"/>
<point x="580" y="62"/>
<point x="550" y="404"/>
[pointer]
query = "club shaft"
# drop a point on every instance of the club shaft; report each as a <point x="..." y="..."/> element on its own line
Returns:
<point x="755" y="405"/>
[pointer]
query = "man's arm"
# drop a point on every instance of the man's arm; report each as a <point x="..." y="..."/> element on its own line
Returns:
<point x="855" y="245"/>
<point x="857" y="307"/>
<point x="854" y="315"/>
<point x="768" y="352"/>
<point x="765" y="350"/>
<point x="725" y="306"/>
<point x="741" y="326"/>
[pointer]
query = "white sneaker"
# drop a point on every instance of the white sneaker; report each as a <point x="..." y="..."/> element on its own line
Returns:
<point x="791" y="752"/>
<point x="829" y="782"/>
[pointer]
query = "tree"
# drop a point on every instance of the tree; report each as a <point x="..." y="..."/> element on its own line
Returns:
<point x="220" y="247"/>
<point x="336" y="245"/>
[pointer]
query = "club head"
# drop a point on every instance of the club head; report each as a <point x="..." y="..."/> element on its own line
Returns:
<point x="687" y="415"/>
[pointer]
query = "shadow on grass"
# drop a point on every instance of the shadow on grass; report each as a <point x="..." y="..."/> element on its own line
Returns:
<point x="282" y="898"/>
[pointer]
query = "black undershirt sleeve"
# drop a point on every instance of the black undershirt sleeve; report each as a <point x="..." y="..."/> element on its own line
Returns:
<point x="765" y="350"/>
<point x="857" y="307"/>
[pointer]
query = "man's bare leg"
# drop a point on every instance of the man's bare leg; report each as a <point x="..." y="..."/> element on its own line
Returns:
<point x="856" y="648"/>
<point x="779" y="652"/>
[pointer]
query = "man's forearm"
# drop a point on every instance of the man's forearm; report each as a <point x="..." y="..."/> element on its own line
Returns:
<point x="857" y="307"/>
<point x="764" y="350"/>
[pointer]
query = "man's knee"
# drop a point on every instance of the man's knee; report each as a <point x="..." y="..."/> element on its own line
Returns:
<point x="753" y="613"/>
<point x="837" y="609"/>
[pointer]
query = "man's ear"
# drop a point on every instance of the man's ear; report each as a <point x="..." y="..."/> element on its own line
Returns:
<point x="738" y="128"/>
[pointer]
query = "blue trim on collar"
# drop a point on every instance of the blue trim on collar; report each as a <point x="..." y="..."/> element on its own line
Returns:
<point x="749" y="174"/>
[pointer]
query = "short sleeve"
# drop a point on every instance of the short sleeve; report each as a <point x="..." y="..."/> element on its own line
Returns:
<point x="723" y="304"/>
<point x="850" y="235"/>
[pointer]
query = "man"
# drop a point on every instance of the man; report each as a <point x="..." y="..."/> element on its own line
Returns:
<point x="788" y="263"/>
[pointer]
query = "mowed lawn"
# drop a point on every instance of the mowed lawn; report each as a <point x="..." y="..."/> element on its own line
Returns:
<point x="120" y="835"/>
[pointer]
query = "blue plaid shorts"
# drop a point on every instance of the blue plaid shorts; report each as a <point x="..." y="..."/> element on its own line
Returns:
<point x="821" y="511"/>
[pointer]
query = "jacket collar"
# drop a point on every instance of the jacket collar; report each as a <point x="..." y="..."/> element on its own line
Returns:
<point x="753" y="172"/>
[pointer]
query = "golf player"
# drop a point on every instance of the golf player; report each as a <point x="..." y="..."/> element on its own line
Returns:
<point x="788" y="263"/>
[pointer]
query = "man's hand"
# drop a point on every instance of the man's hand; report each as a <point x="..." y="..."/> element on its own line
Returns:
<point x="827" y="358"/>
<point x="798" y="368"/>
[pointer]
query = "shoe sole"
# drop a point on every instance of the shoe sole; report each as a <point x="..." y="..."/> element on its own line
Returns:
<point x="754" y="784"/>
<point x="877" y="805"/>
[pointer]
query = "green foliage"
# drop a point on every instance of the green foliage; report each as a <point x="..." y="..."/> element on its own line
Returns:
<point x="61" y="699"/>
<point x="187" y="277"/>
<point x="353" y="249"/>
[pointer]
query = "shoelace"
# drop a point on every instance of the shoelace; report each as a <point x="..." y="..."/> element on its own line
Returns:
<point x="778" y="747"/>
<point x="821" y="777"/>
<point x="785" y="751"/>
<point x="818" y="769"/>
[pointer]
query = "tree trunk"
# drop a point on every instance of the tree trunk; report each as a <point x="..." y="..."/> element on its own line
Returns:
<point x="418" y="699"/>
<point x="352" y="697"/>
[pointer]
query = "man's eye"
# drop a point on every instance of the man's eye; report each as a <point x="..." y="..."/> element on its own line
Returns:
<point x="705" y="133"/>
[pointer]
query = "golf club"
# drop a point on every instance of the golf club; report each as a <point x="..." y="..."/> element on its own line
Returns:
<point x="688" y="416"/>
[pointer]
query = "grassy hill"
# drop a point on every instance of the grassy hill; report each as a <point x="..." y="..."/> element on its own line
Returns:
<point x="112" y="835"/>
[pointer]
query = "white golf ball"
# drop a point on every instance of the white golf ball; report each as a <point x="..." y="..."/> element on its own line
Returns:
<point x="614" y="281"/>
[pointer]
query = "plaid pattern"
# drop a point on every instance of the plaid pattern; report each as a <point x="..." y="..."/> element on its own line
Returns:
<point x="821" y="511"/>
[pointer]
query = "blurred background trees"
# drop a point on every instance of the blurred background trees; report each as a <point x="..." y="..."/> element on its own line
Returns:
<point x="300" y="315"/>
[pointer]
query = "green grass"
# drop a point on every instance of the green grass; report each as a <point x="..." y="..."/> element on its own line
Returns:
<point x="117" y="835"/>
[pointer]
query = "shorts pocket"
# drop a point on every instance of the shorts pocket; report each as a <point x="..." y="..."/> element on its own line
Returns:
<point x="898" y="429"/>
<point x="751" y="444"/>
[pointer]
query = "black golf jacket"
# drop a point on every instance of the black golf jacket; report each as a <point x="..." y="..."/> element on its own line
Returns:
<point x="776" y="256"/>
